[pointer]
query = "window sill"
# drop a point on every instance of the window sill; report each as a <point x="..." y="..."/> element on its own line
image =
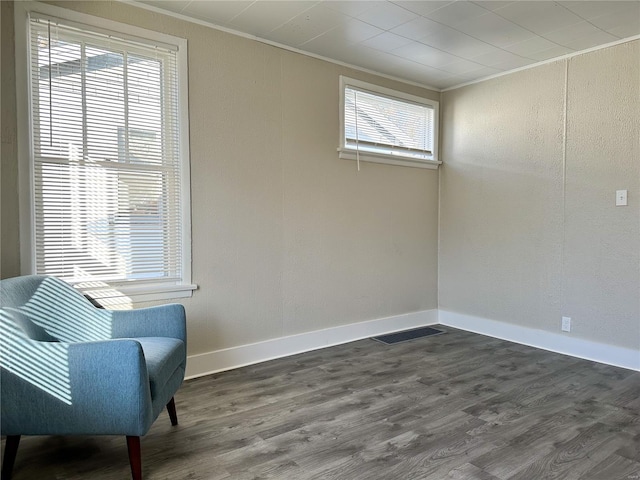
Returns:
<point x="349" y="154"/>
<point x="115" y="296"/>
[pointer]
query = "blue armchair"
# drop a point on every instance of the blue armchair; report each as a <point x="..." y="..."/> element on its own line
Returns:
<point x="69" y="368"/>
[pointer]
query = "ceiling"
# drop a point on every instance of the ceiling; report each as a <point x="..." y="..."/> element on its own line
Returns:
<point x="433" y="43"/>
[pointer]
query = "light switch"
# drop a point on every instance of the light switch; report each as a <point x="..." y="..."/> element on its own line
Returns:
<point x="621" y="198"/>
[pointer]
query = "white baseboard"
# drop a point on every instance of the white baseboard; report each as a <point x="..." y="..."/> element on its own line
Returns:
<point x="555" y="342"/>
<point x="234" y="357"/>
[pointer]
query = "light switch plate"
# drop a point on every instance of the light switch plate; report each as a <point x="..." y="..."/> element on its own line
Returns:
<point x="621" y="198"/>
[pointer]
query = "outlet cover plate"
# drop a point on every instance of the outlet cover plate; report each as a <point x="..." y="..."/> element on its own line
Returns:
<point x="566" y="324"/>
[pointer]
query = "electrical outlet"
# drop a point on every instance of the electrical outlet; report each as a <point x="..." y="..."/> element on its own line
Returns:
<point x="566" y="324"/>
<point x="621" y="198"/>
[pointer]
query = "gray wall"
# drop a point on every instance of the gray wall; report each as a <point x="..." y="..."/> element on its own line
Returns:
<point x="287" y="238"/>
<point x="525" y="236"/>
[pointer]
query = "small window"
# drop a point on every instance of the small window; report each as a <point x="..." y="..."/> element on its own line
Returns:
<point x="386" y="126"/>
<point x="109" y="165"/>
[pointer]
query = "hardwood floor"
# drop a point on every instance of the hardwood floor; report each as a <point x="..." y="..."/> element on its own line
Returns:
<point x="454" y="406"/>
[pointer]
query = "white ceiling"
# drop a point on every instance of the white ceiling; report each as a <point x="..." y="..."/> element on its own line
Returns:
<point x="434" y="43"/>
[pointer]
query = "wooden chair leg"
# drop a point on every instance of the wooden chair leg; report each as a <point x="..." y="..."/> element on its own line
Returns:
<point x="133" y="445"/>
<point x="171" y="408"/>
<point x="10" y="451"/>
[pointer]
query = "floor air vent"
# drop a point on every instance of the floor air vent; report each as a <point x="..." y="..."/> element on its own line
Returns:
<point x="407" y="335"/>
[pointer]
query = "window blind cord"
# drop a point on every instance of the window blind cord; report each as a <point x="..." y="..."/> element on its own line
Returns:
<point x="355" y="107"/>
<point x="50" y="87"/>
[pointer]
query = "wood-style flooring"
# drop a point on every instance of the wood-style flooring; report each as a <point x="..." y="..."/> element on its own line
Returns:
<point x="453" y="406"/>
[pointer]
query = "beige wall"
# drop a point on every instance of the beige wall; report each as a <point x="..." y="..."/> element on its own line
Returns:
<point x="526" y="238"/>
<point x="287" y="238"/>
<point x="9" y="226"/>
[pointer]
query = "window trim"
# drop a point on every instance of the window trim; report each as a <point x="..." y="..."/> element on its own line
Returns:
<point x="26" y="201"/>
<point x="348" y="153"/>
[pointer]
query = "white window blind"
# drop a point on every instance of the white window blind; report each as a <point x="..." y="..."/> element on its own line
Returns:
<point x="106" y="157"/>
<point x="387" y="123"/>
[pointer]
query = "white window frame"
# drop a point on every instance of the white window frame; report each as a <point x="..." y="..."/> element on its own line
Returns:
<point x="137" y="293"/>
<point x="350" y="153"/>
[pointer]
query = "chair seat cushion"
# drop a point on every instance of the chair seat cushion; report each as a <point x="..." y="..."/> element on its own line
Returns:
<point x="163" y="356"/>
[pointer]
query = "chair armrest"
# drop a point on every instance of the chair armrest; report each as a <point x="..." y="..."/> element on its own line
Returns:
<point x="161" y="321"/>
<point x="78" y="388"/>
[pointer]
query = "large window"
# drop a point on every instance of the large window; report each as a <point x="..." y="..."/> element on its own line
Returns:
<point x="387" y="126"/>
<point x="109" y="166"/>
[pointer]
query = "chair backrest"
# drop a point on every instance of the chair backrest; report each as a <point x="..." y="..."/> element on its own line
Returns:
<point x="48" y="309"/>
